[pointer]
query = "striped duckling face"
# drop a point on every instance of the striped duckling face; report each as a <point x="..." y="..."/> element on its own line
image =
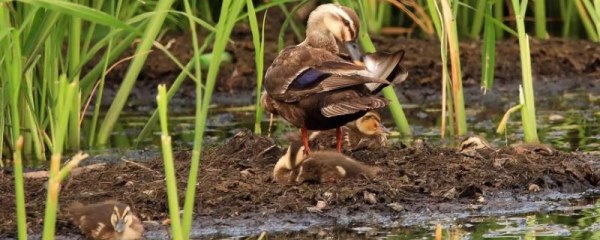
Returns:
<point x="121" y="220"/>
<point x="370" y="124"/>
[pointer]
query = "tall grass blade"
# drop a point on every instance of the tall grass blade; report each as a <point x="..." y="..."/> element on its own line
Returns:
<point x="455" y="73"/>
<point x="149" y="126"/>
<point x="20" y="189"/>
<point x="84" y="12"/>
<point x="528" y="118"/>
<point x="540" y="19"/>
<point x="171" y="181"/>
<point x="190" y="195"/>
<point x="229" y="12"/>
<point x="63" y="107"/>
<point x="587" y="21"/>
<point x="478" y="19"/>
<point x="388" y="92"/>
<point x="135" y="67"/>
<point x="258" y="41"/>
<point x="488" y="54"/>
<point x="499" y="16"/>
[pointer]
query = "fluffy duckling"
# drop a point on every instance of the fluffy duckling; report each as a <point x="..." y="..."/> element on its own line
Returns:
<point x="106" y="220"/>
<point x="366" y="132"/>
<point x="321" y="167"/>
<point x="314" y="88"/>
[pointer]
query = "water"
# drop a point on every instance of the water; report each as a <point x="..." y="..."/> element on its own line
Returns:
<point x="569" y="122"/>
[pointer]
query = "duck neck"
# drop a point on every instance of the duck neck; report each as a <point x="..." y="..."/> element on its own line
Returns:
<point x="318" y="36"/>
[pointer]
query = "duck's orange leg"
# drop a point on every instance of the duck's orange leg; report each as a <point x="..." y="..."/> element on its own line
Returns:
<point x="338" y="137"/>
<point x="305" y="141"/>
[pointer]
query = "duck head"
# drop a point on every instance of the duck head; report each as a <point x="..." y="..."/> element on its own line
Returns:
<point x="331" y="22"/>
<point x="121" y="220"/>
<point x="370" y="124"/>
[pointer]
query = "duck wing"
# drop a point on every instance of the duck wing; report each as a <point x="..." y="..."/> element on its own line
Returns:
<point x="387" y="66"/>
<point x="299" y="72"/>
<point x="349" y="102"/>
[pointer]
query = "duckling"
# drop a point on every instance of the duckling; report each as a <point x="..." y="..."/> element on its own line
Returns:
<point x="331" y="166"/>
<point x="320" y="166"/>
<point x="106" y="220"/>
<point x="286" y="168"/>
<point x="314" y="88"/>
<point x="366" y="132"/>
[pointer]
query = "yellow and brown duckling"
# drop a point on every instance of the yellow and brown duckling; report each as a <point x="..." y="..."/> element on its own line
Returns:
<point x="320" y="166"/>
<point x="367" y="132"/>
<point x="315" y="88"/>
<point x="106" y="220"/>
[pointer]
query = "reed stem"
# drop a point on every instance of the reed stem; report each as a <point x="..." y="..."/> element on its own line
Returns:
<point x="528" y="118"/>
<point x="171" y="180"/>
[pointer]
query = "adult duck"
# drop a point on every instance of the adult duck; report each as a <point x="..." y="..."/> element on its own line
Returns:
<point x="315" y="88"/>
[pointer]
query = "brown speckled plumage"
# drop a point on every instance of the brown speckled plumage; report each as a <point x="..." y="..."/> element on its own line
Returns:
<point x="320" y="166"/>
<point x="97" y="221"/>
<point x="314" y="88"/>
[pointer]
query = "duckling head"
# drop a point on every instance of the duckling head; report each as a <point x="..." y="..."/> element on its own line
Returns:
<point x="334" y="22"/>
<point x="370" y="124"/>
<point x="292" y="157"/>
<point x="121" y="220"/>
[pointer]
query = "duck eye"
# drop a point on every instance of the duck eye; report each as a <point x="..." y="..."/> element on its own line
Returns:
<point x="346" y="22"/>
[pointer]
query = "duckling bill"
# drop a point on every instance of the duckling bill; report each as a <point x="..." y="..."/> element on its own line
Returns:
<point x="110" y="220"/>
<point x="311" y="86"/>
<point x="320" y="167"/>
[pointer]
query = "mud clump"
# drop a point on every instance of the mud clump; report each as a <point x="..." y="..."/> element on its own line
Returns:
<point x="235" y="179"/>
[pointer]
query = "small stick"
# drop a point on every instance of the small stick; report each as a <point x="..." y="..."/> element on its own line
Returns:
<point x="139" y="165"/>
<point x="263" y="152"/>
<point x="270" y="125"/>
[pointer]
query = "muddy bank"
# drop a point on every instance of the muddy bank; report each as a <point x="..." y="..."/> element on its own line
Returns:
<point x="236" y="187"/>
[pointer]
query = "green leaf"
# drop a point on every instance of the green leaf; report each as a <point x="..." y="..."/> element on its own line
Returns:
<point x="83" y="12"/>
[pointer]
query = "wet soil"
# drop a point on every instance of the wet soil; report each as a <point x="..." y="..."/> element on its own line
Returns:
<point x="236" y="187"/>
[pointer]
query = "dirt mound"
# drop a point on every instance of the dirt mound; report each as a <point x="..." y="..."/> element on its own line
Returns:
<point x="236" y="179"/>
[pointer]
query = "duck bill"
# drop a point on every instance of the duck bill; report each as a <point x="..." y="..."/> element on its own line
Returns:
<point x="355" y="53"/>
<point x="120" y="226"/>
<point x="384" y="129"/>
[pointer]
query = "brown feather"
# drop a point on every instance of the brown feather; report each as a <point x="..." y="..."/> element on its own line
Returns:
<point x="94" y="220"/>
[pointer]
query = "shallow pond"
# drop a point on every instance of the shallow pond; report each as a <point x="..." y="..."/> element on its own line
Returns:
<point x="568" y="121"/>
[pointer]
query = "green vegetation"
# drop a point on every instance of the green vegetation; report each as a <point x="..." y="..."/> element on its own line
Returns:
<point x="526" y="95"/>
<point x="55" y="56"/>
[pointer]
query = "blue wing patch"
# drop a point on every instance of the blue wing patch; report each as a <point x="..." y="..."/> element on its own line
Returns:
<point x="308" y="78"/>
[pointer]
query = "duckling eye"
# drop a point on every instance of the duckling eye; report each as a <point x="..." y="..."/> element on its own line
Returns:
<point x="346" y="22"/>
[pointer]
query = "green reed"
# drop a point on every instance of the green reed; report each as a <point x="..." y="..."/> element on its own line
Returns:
<point x="169" y="166"/>
<point x="445" y="25"/>
<point x="258" y="39"/>
<point x="528" y="118"/>
<point x="488" y="50"/>
<point x="593" y="10"/>
<point x="388" y="92"/>
<point x="587" y="20"/>
<point x="148" y="37"/>
<point x="63" y="104"/>
<point x="230" y="10"/>
<point x="478" y="19"/>
<point x="540" y="19"/>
